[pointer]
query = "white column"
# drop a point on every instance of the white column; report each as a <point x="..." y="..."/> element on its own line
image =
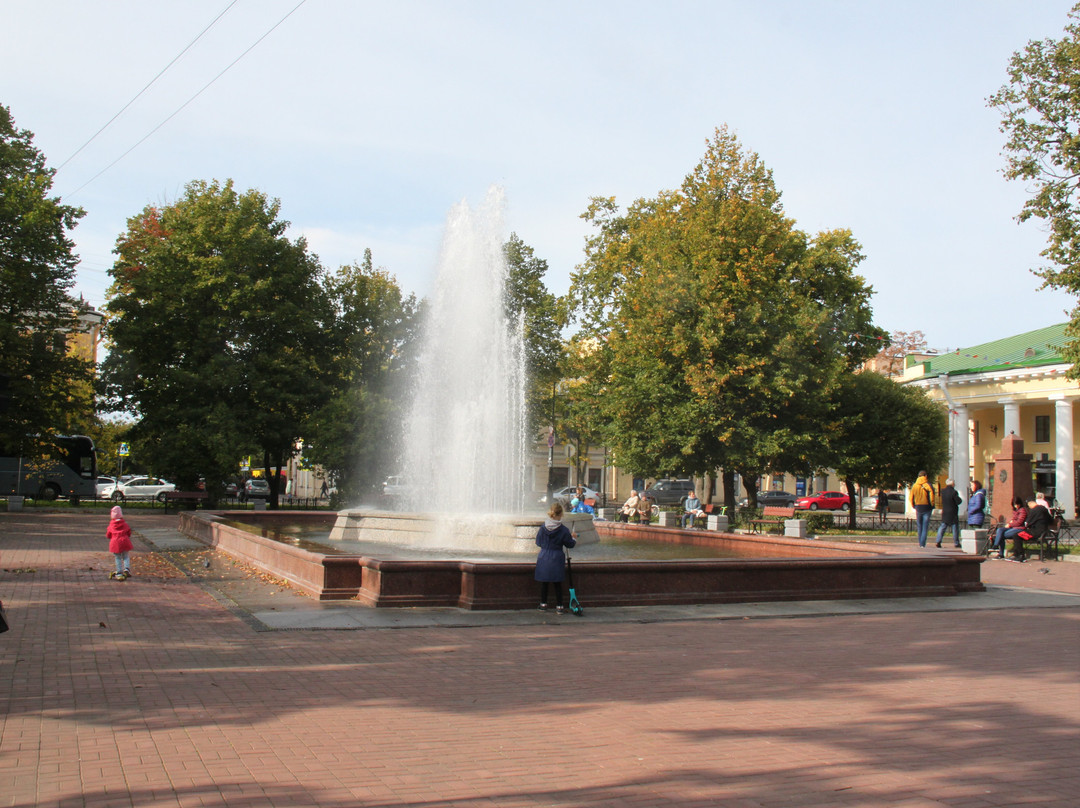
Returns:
<point x="960" y="463"/>
<point x="1063" y="477"/>
<point x="1012" y="417"/>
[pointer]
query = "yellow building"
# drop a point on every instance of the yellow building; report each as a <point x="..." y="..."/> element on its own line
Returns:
<point x="1013" y="385"/>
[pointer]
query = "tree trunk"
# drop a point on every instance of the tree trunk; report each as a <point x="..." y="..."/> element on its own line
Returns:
<point x="852" y="503"/>
<point x="729" y="492"/>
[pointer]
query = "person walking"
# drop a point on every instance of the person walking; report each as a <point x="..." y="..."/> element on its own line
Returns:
<point x="119" y="535"/>
<point x="922" y="500"/>
<point x="882" y="505"/>
<point x="551" y="537"/>
<point x="950" y="513"/>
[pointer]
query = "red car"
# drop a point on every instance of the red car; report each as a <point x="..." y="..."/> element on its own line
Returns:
<point x="826" y="500"/>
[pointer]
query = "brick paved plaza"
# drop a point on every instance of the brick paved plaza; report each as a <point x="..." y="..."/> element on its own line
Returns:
<point x="154" y="692"/>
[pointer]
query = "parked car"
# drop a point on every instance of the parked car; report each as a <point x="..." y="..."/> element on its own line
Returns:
<point x="668" y="492"/>
<point x="826" y="500"/>
<point x="564" y="495"/>
<point x="103" y="483"/>
<point x="139" y="488"/>
<point x="256" y="488"/>
<point x="780" y="499"/>
<point x="896" y="502"/>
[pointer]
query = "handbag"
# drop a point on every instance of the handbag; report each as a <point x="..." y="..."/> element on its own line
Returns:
<point x="3" y="619"/>
<point x="1023" y="534"/>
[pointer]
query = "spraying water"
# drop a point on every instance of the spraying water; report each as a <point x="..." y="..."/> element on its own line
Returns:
<point x="465" y="440"/>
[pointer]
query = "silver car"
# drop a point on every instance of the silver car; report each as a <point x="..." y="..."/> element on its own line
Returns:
<point x="138" y="488"/>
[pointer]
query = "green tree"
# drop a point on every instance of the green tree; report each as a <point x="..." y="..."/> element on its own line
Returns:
<point x="219" y="334"/>
<point x="1040" y="116"/>
<point x="357" y="434"/>
<point x="884" y="434"/>
<point x="712" y="329"/>
<point x="528" y="298"/>
<point x="44" y="390"/>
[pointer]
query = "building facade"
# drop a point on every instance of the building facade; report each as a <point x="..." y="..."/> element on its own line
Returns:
<point x="1017" y="385"/>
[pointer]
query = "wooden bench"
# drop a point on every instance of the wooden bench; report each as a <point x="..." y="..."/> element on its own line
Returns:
<point x="702" y="522"/>
<point x="1048" y="543"/>
<point x="772" y="516"/>
<point x="194" y="497"/>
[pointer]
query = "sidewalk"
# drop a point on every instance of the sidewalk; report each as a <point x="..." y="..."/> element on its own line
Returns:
<point x="181" y="687"/>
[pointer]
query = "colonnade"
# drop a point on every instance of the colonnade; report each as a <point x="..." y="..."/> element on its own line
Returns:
<point x="960" y="443"/>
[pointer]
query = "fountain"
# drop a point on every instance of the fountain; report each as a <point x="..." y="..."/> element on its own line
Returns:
<point x="465" y="438"/>
<point x="471" y="546"/>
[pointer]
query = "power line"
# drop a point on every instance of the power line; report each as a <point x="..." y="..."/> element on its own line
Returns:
<point x="147" y="87"/>
<point x="182" y="106"/>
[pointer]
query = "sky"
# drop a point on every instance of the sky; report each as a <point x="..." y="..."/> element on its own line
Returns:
<point x="369" y="121"/>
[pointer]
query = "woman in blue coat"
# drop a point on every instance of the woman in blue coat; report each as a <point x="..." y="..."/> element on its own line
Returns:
<point x="551" y="537"/>
<point x="976" y="504"/>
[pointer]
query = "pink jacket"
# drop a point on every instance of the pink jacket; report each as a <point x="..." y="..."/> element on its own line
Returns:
<point x="119" y="536"/>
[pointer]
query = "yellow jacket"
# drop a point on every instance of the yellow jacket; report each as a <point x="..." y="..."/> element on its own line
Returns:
<point x="922" y="493"/>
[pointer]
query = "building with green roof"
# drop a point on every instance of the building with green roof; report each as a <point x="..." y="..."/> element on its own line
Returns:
<point x="1016" y="385"/>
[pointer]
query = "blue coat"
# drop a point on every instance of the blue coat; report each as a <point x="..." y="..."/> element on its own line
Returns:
<point x="975" y="507"/>
<point x="550" y="563"/>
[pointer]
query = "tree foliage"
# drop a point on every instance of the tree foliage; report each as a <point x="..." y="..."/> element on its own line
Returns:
<point x="885" y="433"/>
<point x="1040" y="116"/>
<point x="44" y="390"/>
<point x="890" y="359"/>
<point x="528" y="298"/>
<point x="357" y="433"/>
<point x="219" y="332"/>
<point x="713" y="332"/>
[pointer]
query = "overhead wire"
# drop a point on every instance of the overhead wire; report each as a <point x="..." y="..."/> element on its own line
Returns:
<point x="148" y="86"/>
<point x="196" y="95"/>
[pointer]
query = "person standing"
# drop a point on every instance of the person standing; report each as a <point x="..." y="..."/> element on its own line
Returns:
<point x="882" y="505"/>
<point x="950" y="513"/>
<point x="976" y="505"/>
<point x="119" y="535"/>
<point x="922" y="500"/>
<point x="551" y="537"/>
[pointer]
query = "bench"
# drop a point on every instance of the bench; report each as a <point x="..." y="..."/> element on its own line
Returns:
<point x="701" y="522"/>
<point x="1048" y="543"/>
<point x="194" y="497"/>
<point x="772" y="516"/>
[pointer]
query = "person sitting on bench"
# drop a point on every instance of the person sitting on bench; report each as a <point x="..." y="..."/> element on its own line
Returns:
<point x="691" y="509"/>
<point x="1014" y="526"/>
<point x="629" y="507"/>
<point x="1035" y="526"/>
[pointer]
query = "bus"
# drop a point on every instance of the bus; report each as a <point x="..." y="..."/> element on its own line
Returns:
<point x="71" y="472"/>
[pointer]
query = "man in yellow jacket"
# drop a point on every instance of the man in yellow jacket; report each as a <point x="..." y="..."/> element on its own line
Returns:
<point x="922" y="500"/>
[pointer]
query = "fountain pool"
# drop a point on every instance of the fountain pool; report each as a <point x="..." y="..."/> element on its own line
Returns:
<point x="760" y="569"/>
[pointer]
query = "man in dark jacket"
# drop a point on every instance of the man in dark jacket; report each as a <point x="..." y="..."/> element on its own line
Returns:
<point x="1037" y="523"/>
<point x="950" y="513"/>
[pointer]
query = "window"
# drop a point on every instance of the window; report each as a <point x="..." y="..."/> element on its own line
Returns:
<point x="1042" y="428"/>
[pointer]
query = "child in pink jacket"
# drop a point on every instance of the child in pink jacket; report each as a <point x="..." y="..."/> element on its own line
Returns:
<point x="119" y="536"/>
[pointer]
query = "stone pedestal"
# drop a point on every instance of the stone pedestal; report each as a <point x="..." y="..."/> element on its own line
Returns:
<point x="259" y="504"/>
<point x="14" y="503"/>
<point x="718" y="522"/>
<point x="668" y="519"/>
<point x="973" y="541"/>
<point x="795" y="528"/>
<point x="1012" y="477"/>
<point x="608" y="514"/>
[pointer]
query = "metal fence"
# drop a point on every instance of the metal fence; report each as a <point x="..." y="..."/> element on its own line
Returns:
<point x="1070" y="532"/>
